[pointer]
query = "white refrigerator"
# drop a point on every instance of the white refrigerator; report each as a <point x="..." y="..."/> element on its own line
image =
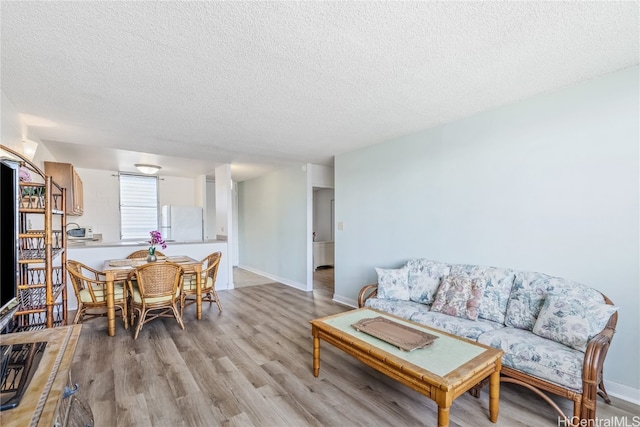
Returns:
<point x="182" y="223"/>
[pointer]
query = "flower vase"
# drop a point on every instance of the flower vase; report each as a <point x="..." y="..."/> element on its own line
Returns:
<point x="152" y="255"/>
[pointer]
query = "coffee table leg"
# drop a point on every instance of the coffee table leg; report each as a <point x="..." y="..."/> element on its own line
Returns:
<point x="494" y="394"/>
<point x="316" y="353"/>
<point x="443" y="416"/>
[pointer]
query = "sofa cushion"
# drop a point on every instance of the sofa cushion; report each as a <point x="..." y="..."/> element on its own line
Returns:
<point x="101" y="295"/>
<point x="529" y="291"/>
<point x="190" y="282"/>
<point x="423" y="287"/>
<point x="537" y="356"/>
<point x="571" y="321"/>
<point x="466" y="328"/>
<point x="404" y="309"/>
<point x="497" y="288"/>
<point x="459" y="296"/>
<point x="393" y="283"/>
<point x="424" y="279"/>
<point x="424" y="265"/>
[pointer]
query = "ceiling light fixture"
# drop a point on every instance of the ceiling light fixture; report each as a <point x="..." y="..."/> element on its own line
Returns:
<point x="29" y="148"/>
<point x="147" y="169"/>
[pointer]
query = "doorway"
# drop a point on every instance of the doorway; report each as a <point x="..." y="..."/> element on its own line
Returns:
<point x="323" y="240"/>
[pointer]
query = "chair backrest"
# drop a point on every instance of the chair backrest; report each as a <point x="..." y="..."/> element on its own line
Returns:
<point x="211" y="263"/>
<point x="81" y="281"/>
<point x="142" y="253"/>
<point x="159" y="279"/>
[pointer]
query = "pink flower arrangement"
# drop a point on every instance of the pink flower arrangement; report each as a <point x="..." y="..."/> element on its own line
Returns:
<point x="24" y="175"/>
<point x="156" y="239"/>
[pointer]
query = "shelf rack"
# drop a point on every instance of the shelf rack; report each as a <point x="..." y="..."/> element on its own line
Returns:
<point x="42" y="282"/>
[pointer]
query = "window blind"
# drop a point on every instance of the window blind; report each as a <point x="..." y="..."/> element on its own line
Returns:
<point x="138" y="206"/>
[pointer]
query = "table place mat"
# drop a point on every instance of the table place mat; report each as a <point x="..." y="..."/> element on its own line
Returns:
<point x="179" y="259"/>
<point x="122" y="263"/>
<point x="133" y="262"/>
<point x="399" y="335"/>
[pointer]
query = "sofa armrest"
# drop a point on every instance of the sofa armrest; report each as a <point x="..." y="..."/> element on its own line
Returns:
<point x="368" y="291"/>
<point x="592" y="366"/>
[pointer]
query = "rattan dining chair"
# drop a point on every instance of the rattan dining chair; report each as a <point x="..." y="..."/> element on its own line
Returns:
<point x="90" y="287"/>
<point x="208" y="279"/>
<point x="142" y="253"/>
<point x="155" y="292"/>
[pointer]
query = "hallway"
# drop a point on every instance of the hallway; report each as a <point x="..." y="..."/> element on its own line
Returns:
<point x="323" y="279"/>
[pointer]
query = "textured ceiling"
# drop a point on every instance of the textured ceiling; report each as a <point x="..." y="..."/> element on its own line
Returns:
<point x="264" y="85"/>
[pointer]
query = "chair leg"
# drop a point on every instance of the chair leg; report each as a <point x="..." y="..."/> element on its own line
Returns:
<point x="123" y="310"/>
<point x="141" y="314"/>
<point x="178" y="317"/>
<point x="215" y="295"/>
<point x="79" y="314"/>
<point x="125" y="314"/>
<point x="132" y="314"/>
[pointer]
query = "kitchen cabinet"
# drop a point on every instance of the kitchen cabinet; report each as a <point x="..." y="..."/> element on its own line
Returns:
<point x="49" y="398"/>
<point x="322" y="254"/>
<point x="65" y="175"/>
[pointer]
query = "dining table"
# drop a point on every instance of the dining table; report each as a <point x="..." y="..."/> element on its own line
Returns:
<point x="118" y="270"/>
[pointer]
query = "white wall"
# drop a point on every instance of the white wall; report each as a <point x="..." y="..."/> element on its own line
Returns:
<point x="321" y="176"/>
<point x="102" y="199"/>
<point x="178" y="191"/>
<point x="210" y="232"/>
<point x="11" y="130"/>
<point x="549" y="184"/>
<point x="272" y="225"/>
<point x="223" y="200"/>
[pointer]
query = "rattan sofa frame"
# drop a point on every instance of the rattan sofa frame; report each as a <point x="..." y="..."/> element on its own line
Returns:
<point x="585" y="401"/>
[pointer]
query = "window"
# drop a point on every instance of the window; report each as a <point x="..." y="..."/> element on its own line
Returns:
<point x="138" y="206"/>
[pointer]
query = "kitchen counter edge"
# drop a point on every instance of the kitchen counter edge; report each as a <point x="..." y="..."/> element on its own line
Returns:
<point x="100" y="244"/>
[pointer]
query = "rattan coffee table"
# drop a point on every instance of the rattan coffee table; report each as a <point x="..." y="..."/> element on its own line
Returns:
<point x="442" y="371"/>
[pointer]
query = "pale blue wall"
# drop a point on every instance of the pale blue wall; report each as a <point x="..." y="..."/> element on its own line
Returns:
<point x="272" y="224"/>
<point x="549" y="184"/>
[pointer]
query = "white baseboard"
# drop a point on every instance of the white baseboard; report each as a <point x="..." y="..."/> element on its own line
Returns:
<point x="345" y="301"/>
<point x="624" y="392"/>
<point x="288" y="282"/>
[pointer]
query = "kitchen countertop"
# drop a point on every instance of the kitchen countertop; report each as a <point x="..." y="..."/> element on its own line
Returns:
<point x="73" y="244"/>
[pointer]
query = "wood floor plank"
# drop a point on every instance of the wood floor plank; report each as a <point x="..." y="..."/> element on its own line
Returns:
<point x="251" y="365"/>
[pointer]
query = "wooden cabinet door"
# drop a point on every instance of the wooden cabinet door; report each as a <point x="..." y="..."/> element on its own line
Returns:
<point x="65" y="176"/>
<point x="78" y="206"/>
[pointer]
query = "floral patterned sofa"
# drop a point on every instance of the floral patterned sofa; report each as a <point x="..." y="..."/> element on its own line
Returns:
<point x="555" y="333"/>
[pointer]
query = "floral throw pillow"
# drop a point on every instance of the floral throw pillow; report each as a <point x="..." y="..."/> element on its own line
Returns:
<point x="423" y="287"/>
<point x="393" y="283"/>
<point x="459" y="296"/>
<point x="571" y="321"/>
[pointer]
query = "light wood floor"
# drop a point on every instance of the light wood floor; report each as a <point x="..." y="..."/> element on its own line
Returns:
<point x="243" y="278"/>
<point x="251" y="365"/>
<point x="323" y="278"/>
